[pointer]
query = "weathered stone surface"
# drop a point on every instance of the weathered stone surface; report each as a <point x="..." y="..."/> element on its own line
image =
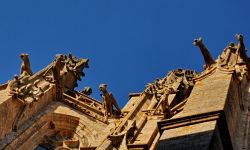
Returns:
<point x="197" y="136"/>
<point x="184" y="110"/>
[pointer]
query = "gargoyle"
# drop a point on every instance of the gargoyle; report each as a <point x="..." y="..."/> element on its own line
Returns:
<point x="164" y="104"/>
<point x="108" y="101"/>
<point x="14" y="84"/>
<point x="25" y="67"/>
<point x="56" y="68"/>
<point x="209" y="61"/>
<point x="241" y="50"/>
<point x="171" y="91"/>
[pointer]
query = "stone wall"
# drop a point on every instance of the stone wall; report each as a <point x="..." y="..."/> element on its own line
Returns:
<point x="195" y="137"/>
<point x="13" y="112"/>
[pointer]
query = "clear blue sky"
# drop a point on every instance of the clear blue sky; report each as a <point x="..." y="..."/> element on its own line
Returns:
<point x="129" y="42"/>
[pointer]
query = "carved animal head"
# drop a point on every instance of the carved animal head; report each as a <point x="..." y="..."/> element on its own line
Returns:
<point x="103" y="87"/>
<point x="198" y="41"/>
<point x="72" y="70"/>
<point x="239" y="37"/>
<point x="24" y="57"/>
<point x="60" y="56"/>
